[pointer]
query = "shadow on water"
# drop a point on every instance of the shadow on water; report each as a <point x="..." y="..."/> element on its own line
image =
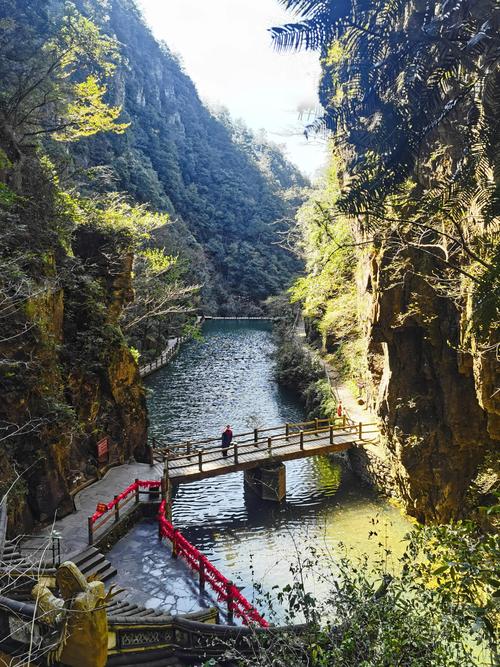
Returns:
<point x="229" y="379"/>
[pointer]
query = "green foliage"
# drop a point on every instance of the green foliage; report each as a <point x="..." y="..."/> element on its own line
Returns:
<point x="294" y="366"/>
<point x="128" y="226"/>
<point x="54" y="65"/>
<point x="328" y="291"/>
<point x="462" y="563"/>
<point x="232" y="194"/>
<point x="382" y="613"/>
<point x="135" y="354"/>
<point x="89" y="114"/>
<point x="7" y="196"/>
<point x="162" y="301"/>
<point x="417" y="120"/>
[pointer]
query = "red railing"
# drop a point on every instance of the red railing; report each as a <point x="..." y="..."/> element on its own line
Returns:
<point x="117" y="504"/>
<point x="225" y="590"/>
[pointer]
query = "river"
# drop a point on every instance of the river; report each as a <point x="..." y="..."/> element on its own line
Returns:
<point x="228" y="379"/>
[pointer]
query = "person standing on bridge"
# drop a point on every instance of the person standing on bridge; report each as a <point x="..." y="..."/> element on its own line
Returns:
<point x="227" y="437"/>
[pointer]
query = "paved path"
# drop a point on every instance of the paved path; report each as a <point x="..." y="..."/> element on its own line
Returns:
<point x="168" y="353"/>
<point x="342" y="392"/>
<point x="73" y="527"/>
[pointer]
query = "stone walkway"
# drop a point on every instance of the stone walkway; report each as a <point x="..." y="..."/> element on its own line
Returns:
<point x="151" y="577"/>
<point x="173" y="345"/>
<point x="351" y="407"/>
<point x="73" y="528"/>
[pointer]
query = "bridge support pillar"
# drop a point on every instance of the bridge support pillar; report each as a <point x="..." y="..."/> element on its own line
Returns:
<point x="268" y="481"/>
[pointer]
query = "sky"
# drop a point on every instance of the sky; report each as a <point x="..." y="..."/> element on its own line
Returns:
<point x="225" y="47"/>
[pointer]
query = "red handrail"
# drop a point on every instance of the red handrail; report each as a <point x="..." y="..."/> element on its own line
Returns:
<point x="224" y="589"/>
<point x="147" y="484"/>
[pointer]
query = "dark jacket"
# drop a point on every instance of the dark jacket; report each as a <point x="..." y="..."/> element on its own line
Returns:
<point x="227" y="436"/>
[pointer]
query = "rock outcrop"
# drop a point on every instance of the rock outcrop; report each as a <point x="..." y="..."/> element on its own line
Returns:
<point x="67" y="376"/>
<point x="434" y="396"/>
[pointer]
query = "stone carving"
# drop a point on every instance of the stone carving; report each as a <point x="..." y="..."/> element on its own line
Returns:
<point x="80" y="615"/>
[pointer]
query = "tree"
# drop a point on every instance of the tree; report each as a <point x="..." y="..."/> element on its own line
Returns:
<point x="411" y="97"/>
<point x="53" y="68"/>
<point x="160" y="296"/>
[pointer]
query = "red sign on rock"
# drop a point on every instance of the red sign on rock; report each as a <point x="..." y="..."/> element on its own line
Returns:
<point x="103" y="450"/>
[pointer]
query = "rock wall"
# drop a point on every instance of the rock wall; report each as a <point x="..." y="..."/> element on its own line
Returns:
<point x="433" y="397"/>
<point x="67" y="376"/>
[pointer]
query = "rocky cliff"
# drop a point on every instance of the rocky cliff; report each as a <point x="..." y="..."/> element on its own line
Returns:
<point x="433" y="395"/>
<point x="415" y="132"/>
<point x="67" y="377"/>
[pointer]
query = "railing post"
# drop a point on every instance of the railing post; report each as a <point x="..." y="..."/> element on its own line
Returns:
<point x="163" y="488"/>
<point x="117" y="509"/>
<point x="136" y="491"/>
<point x="201" y="570"/>
<point x="344" y="420"/>
<point x="256" y="435"/>
<point x="301" y="440"/>
<point x="168" y="499"/>
<point x="235" y="453"/>
<point x="200" y="460"/>
<point x="287" y="430"/>
<point x="360" y="430"/>
<point x="91" y="531"/>
<point x="229" y="590"/>
<point x="316" y="426"/>
<point x="269" y="445"/>
<point x="331" y="435"/>
<point x="174" y="544"/>
<point x="151" y="453"/>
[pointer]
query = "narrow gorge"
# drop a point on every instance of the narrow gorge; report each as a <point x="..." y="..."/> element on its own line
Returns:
<point x="249" y="333"/>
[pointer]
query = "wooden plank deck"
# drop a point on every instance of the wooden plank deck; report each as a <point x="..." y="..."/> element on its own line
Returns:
<point x="210" y="462"/>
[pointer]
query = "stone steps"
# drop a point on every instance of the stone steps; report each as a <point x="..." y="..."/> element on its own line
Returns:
<point x="135" y="612"/>
<point x="92" y="563"/>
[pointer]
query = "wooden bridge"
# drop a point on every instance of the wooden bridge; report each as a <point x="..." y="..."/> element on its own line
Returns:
<point x="242" y="318"/>
<point x="200" y="459"/>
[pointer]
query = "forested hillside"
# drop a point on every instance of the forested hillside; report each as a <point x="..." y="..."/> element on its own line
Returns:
<point x="402" y="240"/>
<point x="226" y="188"/>
<point x="124" y="205"/>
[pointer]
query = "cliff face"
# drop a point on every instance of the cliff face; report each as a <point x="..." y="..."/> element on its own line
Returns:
<point x="417" y="166"/>
<point x="428" y="391"/>
<point x="67" y="377"/>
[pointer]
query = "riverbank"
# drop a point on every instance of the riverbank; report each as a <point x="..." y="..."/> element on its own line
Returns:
<point x="322" y="391"/>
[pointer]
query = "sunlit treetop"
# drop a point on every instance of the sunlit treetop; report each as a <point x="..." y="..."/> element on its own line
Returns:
<point x="57" y="85"/>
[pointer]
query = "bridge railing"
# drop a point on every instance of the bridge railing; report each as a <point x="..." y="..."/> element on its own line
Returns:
<point x="225" y="589"/>
<point x="160" y="449"/>
<point x="193" y="445"/>
<point x="272" y="444"/>
<point x="163" y="359"/>
<point x="106" y="512"/>
<point x="38" y="550"/>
